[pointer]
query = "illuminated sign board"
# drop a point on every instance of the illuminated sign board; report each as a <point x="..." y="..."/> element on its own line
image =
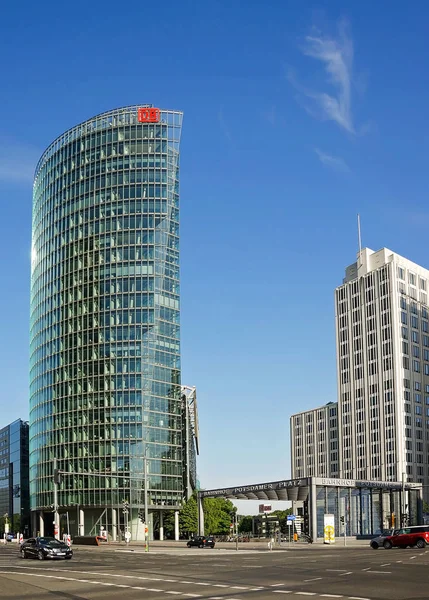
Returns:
<point x="149" y="115"/>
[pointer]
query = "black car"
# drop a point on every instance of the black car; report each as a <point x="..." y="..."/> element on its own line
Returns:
<point x="202" y="541"/>
<point x="45" y="547"/>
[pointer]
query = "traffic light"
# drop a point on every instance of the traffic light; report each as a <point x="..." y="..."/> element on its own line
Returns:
<point x="141" y="516"/>
<point x="57" y="476"/>
<point x="342" y="519"/>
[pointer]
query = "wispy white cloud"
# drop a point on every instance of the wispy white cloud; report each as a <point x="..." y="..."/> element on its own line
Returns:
<point x="17" y="162"/>
<point x="334" y="162"/>
<point x="336" y="55"/>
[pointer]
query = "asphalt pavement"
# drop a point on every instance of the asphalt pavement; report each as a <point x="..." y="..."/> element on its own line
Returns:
<point x="319" y="572"/>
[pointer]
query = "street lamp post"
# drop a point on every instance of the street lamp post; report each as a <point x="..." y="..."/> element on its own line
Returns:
<point x="146" y="508"/>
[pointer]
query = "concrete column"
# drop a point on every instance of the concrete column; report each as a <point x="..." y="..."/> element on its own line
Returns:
<point x="41" y="524"/>
<point x="312" y="509"/>
<point x="33" y="530"/>
<point x="200" y="512"/>
<point x="81" y="522"/>
<point x="114" y="524"/>
<point x="176" y="525"/>
<point x="161" y="526"/>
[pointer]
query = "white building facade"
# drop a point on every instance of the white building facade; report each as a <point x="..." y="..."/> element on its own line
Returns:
<point x="382" y="335"/>
<point x="314" y="442"/>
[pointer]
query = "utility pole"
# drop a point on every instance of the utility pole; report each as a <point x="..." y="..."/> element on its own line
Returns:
<point x="57" y="480"/>
<point x="404" y="506"/>
<point x="125" y="505"/>
<point x="146" y="508"/>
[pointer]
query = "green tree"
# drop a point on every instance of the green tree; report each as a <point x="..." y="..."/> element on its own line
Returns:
<point x="217" y="515"/>
<point x="188" y="517"/>
<point x="282" y="517"/>
<point x="245" y="524"/>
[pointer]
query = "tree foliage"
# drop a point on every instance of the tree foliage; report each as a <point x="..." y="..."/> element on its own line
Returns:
<point x="188" y="517"/>
<point x="245" y="525"/>
<point x="217" y="515"/>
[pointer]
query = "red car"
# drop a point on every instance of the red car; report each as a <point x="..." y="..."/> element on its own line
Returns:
<point x="408" y="536"/>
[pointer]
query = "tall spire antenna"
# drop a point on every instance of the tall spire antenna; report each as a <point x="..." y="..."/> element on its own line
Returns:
<point x="359" y="237"/>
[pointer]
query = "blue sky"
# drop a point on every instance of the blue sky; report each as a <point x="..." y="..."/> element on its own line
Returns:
<point x="298" y="116"/>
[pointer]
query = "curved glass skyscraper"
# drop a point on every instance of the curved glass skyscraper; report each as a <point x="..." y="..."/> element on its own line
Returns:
<point x="105" y="395"/>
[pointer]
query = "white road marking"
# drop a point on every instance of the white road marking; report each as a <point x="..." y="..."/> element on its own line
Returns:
<point x="276" y="584"/>
<point x="313" y="579"/>
<point x="357" y="598"/>
<point x="218" y="585"/>
<point x="380" y="572"/>
<point x="305" y="593"/>
<point x="235" y="587"/>
<point x="411" y="557"/>
<point x="256" y="589"/>
<point x="385" y="565"/>
<point x="282" y="592"/>
<point x="336" y="570"/>
<point x="348" y="573"/>
<point x="331" y="596"/>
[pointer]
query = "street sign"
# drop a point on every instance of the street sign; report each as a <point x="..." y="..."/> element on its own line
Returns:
<point x="291" y="517"/>
<point x="289" y="522"/>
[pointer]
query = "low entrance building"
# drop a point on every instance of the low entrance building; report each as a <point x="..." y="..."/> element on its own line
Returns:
<point x="359" y="508"/>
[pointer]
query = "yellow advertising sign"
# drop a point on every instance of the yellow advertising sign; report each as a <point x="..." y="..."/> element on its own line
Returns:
<point x="329" y="529"/>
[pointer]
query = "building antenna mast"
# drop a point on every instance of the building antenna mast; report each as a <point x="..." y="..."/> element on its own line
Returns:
<point x="359" y="237"/>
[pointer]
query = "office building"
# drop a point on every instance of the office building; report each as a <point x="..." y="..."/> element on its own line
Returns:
<point x="382" y="329"/>
<point x="14" y="477"/>
<point x="106" y="405"/>
<point x="314" y="442"/>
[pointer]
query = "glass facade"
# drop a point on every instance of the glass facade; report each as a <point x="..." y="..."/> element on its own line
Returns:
<point x="366" y="510"/>
<point x="105" y="384"/>
<point x="14" y="477"/>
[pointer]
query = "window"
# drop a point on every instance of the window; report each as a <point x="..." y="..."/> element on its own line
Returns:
<point x="416" y="366"/>
<point x="414" y="322"/>
<point x="415" y="336"/>
<point x="411" y="278"/>
<point x="404" y="317"/>
<point x="401" y="273"/>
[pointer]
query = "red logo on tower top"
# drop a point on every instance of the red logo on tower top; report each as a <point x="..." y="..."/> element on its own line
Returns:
<point x="149" y="115"/>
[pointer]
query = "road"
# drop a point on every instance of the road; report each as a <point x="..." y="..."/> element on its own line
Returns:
<point x="318" y="572"/>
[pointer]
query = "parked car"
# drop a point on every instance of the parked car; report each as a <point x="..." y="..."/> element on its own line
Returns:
<point x="202" y="541"/>
<point x="417" y="535"/>
<point x="45" y="547"/>
<point x="378" y="541"/>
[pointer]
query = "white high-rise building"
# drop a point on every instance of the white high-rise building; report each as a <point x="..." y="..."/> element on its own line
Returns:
<point x="314" y="442"/>
<point x="382" y="334"/>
